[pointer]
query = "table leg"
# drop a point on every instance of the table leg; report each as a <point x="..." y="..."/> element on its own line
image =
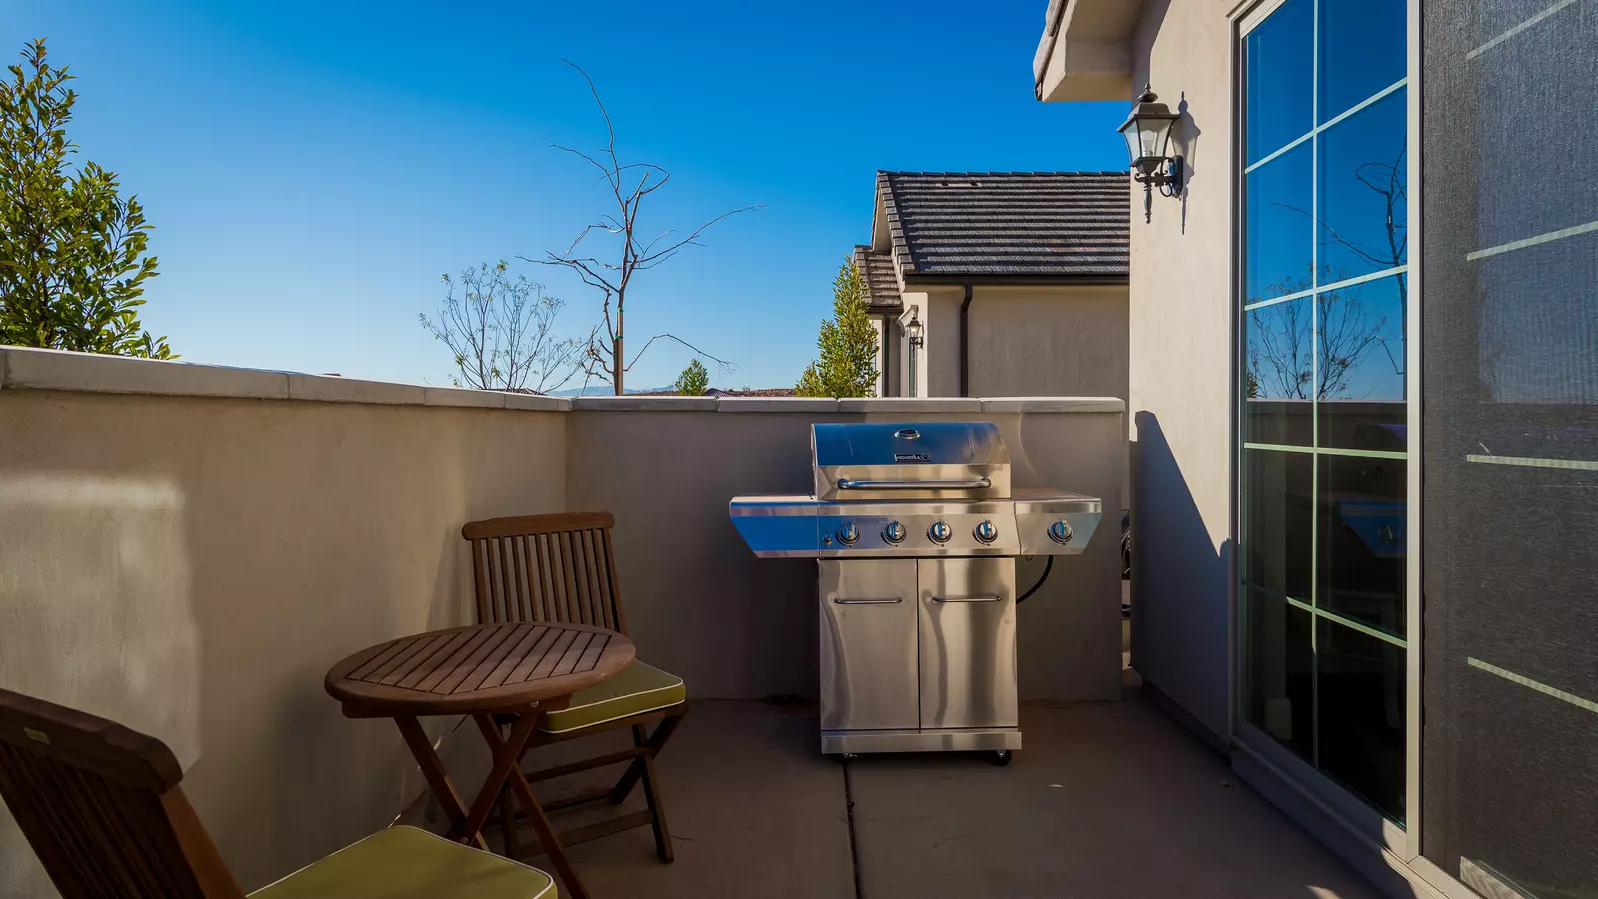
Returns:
<point x="506" y="757"/>
<point x="507" y="824"/>
<point x="535" y="813"/>
<point x="433" y="771"/>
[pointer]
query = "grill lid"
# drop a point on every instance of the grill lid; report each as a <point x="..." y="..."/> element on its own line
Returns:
<point x="942" y="460"/>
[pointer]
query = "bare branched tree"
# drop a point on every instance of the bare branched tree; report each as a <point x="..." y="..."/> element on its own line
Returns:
<point x="501" y="331"/>
<point x="1387" y="180"/>
<point x="627" y="254"/>
<point x="1280" y="363"/>
<point x="1279" y="357"/>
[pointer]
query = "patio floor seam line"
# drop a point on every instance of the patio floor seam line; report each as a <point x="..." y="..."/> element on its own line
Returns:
<point x="854" y="845"/>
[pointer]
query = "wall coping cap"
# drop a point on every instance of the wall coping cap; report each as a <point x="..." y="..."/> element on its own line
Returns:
<point x="329" y="389"/>
<point x="34" y="369"/>
<point x="776" y="404"/>
<point x="26" y="368"/>
<point x="62" y="370"/>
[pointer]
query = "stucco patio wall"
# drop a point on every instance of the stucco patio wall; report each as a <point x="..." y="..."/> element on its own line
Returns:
<point x="187" y="548"/>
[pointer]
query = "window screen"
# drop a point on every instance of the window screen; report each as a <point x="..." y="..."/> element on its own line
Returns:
<point x="1510" y="413"/>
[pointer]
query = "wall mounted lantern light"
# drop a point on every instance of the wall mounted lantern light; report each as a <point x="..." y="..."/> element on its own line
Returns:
<point x="1147" y="131"/>
<point x="910" y="322"/>
<point x="913" y="329"/>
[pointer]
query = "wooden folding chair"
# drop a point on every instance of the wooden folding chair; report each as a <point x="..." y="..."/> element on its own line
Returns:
<point x="561" y="567"/>
<point x="101" y="806"/>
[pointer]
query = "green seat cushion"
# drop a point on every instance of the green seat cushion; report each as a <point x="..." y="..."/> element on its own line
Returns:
<point x="410" y="863"/>
<point x="637" y="689"/>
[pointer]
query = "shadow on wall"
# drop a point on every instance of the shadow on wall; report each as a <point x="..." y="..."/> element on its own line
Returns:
<point x="316" y="780"/>
<point x="195" y="578"/>
<point x="97" y="613"/>
<point x="354" y="544"/>
<point x="1185" y="144"/>
<point x="1180" y="592"/>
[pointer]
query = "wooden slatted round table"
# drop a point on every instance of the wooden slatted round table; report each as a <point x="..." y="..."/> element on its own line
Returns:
<point x="522" y="669"/>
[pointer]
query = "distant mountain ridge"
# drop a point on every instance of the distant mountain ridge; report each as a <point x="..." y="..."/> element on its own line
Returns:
<point x="606" y="390"/>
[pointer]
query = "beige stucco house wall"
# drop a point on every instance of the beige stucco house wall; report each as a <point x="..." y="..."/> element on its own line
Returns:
<point x="1180" y="372"/>
<point x="1054" y="340"/>
<point x="1049" y="341"/>
<point x="1179" y="333"/>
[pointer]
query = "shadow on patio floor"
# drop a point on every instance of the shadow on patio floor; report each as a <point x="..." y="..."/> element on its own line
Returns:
<point x="1106" y="800"/>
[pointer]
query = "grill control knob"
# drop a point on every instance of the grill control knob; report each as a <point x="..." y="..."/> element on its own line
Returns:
<point x="940" y="532"/>
<point x="893" y="533"/>
<point x="1060" y="531"/>
<point x="848" y="534"/>
<point x="985" y="532"/>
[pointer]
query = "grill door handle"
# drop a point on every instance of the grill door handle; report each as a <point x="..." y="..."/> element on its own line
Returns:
<point x="867" y="602"/>
<point x="989" y="598"/>
<point x="973" y="484"/>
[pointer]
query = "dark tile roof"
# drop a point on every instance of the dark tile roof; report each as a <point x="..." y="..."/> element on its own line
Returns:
<point x="876" y="270"/>
<point x="1008" y="224"/>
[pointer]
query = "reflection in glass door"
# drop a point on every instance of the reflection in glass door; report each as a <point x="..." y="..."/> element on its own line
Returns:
<point x="1322" y="366"/>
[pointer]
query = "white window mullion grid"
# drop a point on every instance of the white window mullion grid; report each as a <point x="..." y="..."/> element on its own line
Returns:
<point x="1411" y="374"/>
<point x="1315" y="387"/>
<point x="1328" y="288"/>
<point x="1316" y="129"/>
<point x="1413" y="630"/>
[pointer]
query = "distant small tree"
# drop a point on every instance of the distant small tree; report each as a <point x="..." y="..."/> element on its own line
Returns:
<point x="501" y="332"/>
<point x="694" y="379"/>
<point x="72" y="251"/>
<point x="848" y="343"/>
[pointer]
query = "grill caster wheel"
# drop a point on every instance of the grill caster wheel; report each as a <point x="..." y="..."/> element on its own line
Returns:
<point x="1000" y="757"/>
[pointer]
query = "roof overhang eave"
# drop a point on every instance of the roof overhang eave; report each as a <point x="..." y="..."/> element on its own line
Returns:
<point x="881" y="239"/>
<point x="1085" y="52"/>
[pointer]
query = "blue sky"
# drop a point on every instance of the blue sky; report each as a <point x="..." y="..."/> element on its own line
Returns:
<point x="312" y="168"/>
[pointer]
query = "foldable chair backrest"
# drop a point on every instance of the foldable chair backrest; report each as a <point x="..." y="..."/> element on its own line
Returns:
<point x="557" y="567"/>
<point x="100" y="805"/>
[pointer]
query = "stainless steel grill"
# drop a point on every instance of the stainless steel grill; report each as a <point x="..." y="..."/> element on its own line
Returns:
<point x="916" y="529"/>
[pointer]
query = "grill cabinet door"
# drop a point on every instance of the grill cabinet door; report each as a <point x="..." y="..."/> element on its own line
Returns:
<point x="868" y="644"/>
<point x="967" y="623"/>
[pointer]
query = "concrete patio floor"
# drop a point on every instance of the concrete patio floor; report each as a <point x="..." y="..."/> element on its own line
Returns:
<point x="1107" y="799"/>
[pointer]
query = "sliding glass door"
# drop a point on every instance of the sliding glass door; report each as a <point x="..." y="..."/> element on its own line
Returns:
<point x="1509" y="796"/>
<point x="1321" y="361"/>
